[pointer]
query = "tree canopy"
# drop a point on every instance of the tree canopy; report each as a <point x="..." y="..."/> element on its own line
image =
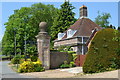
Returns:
<point x="23" y="26"/>
<point x="103" y="19"/>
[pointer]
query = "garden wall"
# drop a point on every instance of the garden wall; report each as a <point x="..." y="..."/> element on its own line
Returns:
<point x="58" y="58"/>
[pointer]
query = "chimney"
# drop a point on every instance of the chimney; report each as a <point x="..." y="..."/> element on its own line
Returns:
<point x="83" y="11"/>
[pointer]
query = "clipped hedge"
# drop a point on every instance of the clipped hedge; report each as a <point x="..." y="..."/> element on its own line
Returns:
<point x="102" y="54"/>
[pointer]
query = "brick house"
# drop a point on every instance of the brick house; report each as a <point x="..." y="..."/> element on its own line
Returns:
<point x="79" y="34"/>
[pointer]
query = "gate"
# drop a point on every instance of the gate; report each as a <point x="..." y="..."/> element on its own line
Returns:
<point x="80" y="60"/>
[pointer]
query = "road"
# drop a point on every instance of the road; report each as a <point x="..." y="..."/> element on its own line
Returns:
<point x="7" y="72"/>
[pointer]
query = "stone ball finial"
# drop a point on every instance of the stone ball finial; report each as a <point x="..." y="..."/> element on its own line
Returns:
<point x="43" y="26"/>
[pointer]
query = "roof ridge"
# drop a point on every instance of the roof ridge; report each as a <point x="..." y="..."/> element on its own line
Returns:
<point x="94" y="23"/>
<point x="81" y="21"/>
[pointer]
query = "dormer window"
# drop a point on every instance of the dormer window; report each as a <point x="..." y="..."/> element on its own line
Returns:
<point x="92" y="30"/>
<point x="95" y="29"/>
<point x="60" y="35"/>
<point x="70" y="33"/>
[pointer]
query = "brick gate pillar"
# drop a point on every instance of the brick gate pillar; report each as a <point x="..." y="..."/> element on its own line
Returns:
<point x="43" y="45"/>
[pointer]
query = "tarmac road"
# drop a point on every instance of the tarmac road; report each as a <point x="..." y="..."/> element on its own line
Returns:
<point x="7" y="72"/>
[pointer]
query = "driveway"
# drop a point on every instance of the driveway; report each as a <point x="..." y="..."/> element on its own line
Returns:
<point x="7" y="72"/>
<point x="57" y="73"/>
<point x="108" y="74"/>
<point x="75" y="72"/>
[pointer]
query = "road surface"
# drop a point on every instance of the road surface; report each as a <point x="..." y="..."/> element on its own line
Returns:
<point x="7" y="72"/>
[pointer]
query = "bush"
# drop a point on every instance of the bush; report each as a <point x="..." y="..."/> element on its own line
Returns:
<point x="26" y="66"/>
<point x="5" y="57"/>
<point x="16" y="59"/>
<point x="22" y="60"/>
<point x="71" y="52"/>
<point x="38" y="66"/>
<point x="29" y="66"/>
<point x="74" y="57"/>
<point x="102" y="55"/>
<point x="65" y="65"/>
<point x="72" y="64"/>
<point x="64" y="48"/>
<point x="34" y="58"/>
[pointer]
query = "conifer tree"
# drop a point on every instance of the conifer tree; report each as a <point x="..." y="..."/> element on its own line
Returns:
<point x="64" y="19"/>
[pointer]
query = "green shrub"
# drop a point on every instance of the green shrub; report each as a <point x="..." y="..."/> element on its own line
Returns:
<point x="5" y="57"/>
<point x="64" y="48"/>
<point x="102" y="56"/>
<point x="71" y="52"/>
<point x="72" y="64"/>
<point x="22" y="60"/>
<point x="16" y="59"/>
<point x="38" y="66"/>
<point x="64" y="66"/>
<point x="67" y="65"/>
<point x="34" y="58"/>
<point x="22" y="56"/>
<point x="53" y="50"/>
<point x="74" y="57"/>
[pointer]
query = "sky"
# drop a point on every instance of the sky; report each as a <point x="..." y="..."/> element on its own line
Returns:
<point x="7" y="9"/>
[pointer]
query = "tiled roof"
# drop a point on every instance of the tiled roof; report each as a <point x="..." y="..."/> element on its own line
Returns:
<point x="83" y="26"/>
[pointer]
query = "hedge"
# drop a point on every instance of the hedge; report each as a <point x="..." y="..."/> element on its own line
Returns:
<point x="102" y="54"/>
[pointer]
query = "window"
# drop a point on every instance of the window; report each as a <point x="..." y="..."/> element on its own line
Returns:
<point x="60" y="35"/>
<point x="70" y="33"/>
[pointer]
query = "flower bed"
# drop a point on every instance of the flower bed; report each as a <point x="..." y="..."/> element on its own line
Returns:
<point x="29" y="66"/>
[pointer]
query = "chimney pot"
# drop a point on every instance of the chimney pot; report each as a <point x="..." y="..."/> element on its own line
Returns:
<point x="83" y="11"/>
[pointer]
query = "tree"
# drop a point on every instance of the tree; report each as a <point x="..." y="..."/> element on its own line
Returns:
<point x="119" y="28"/>
<point x="23" y="26"/>
<point x="103" y="19"/>
<point x="64" y="19"/>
